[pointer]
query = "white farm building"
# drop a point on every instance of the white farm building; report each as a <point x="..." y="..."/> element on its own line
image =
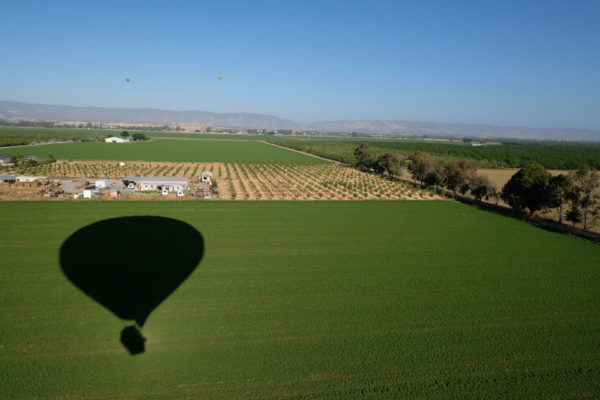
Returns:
<point x="168" y="183"/>
<point x="115" y="139"/>
<point x="102" y="183"/>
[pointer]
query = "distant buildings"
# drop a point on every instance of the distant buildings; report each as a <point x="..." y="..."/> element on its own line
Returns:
<point x="115" y="139"/>
<point x="5" y="159"/>
<point x="162" y="183"/>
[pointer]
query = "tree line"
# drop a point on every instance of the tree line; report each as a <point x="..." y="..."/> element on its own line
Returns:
<point x="575" y="196"/>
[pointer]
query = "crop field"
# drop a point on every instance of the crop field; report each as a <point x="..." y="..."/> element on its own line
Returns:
<point x="294" y="300"/>
<point x="21" y="136"/>
<point x="551" y="155"/>
<point x="166" y="150"/>
<point x="256" y="181"/>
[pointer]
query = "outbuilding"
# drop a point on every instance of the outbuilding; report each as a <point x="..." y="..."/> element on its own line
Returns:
<point x="115" y="139"/>
<point x="5" y="159"/>
<point x="8" y="178"/>
<point x="206" y="177"/>
<point x="162" y="183"/>
<point x="89" y="193"/>
<point x="29" y="179"/>
<point x="102" y="183"/>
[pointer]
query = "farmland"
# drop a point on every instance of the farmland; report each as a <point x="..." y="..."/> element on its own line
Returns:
<point x="253" y="181"/>
<point x="311" y="300"/>
<point x="511" y="154"/>
<point x="166" y="150"/>
<point x="21" y="136"/>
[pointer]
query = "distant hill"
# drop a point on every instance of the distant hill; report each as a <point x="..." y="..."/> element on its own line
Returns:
<point x="15" y="111"/>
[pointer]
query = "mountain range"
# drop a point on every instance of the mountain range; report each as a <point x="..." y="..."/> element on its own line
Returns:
<point x="18" y="111"/>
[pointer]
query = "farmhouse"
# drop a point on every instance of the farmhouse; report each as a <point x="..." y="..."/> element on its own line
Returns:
<point x="162" y="183"/>
<point x="115" y="139"/>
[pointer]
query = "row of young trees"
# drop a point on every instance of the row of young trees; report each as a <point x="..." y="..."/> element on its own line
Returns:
<point x="531" y="189"/>
<point x="458" y="176"/>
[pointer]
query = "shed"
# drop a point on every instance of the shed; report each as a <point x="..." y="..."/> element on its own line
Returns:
<point x="27" y="178"/>
<point x="5" y="159"/>
<point x="8" y="178"/>
<point x="206" y="177"/>
<point x="102" y="183"/>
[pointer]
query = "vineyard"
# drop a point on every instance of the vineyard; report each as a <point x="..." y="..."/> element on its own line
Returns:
<point x="256" y="181"/>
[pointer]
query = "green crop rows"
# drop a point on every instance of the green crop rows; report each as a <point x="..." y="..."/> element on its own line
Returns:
<point x="513" y="154"/>
<point x="311" y="300"/>
<point x="166" y="150"/>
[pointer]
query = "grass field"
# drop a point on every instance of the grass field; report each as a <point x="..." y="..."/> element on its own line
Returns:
<point x="166" y="150"/>
<point x="19" y="136"/>
<point x="311" y="300"/>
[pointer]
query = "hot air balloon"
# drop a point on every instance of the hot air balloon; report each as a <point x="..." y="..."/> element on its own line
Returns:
<point x="127" y="79"/>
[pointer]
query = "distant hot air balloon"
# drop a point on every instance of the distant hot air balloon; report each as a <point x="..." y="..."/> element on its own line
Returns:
<point x="127" y="79"/>
<point x="220" y="77"/>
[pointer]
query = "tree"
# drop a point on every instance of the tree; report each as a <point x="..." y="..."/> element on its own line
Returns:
<point x="586" y="188"/>
<point x="481" y="186"/>
<point x="421" y="164"/>
<point x="125" y="134"/>
<point x="19" y="158"/>
<point x="389" y="162"/>
<point x="435" y="177"/>
<point x="560" y="187"/>
<point x="51" y="158"/>
<point x="362" y="153"/>
<point x="528" y="188"/>
<point x="138" y="136"/>
<point x="457" y="175"/>
<point x="574" y="214"/>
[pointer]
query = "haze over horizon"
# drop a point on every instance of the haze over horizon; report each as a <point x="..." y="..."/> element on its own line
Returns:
<point x="506" y="64"/>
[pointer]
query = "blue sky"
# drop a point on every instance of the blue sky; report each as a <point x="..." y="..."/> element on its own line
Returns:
<point x="521" y="63"/>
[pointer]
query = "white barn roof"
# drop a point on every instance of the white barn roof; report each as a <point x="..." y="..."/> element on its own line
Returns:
<point x="156" y="179"/>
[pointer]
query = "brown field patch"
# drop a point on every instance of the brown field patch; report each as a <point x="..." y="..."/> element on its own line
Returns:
<point x="499" y="176"/>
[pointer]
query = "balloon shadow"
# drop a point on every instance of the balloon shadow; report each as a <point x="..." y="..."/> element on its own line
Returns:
<point x="131" y="264"/>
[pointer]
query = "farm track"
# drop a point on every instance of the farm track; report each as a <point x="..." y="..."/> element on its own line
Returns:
<point x="255" y="181"/>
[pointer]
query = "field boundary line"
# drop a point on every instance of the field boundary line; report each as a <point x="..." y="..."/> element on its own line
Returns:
<point x="305" y="153"/>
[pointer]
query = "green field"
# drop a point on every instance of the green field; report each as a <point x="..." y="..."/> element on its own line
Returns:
<point x="515" y="154"/>
<point x="166" y="150"/>
<point x="311" y="300"/>
<point x="21" y="136"/>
